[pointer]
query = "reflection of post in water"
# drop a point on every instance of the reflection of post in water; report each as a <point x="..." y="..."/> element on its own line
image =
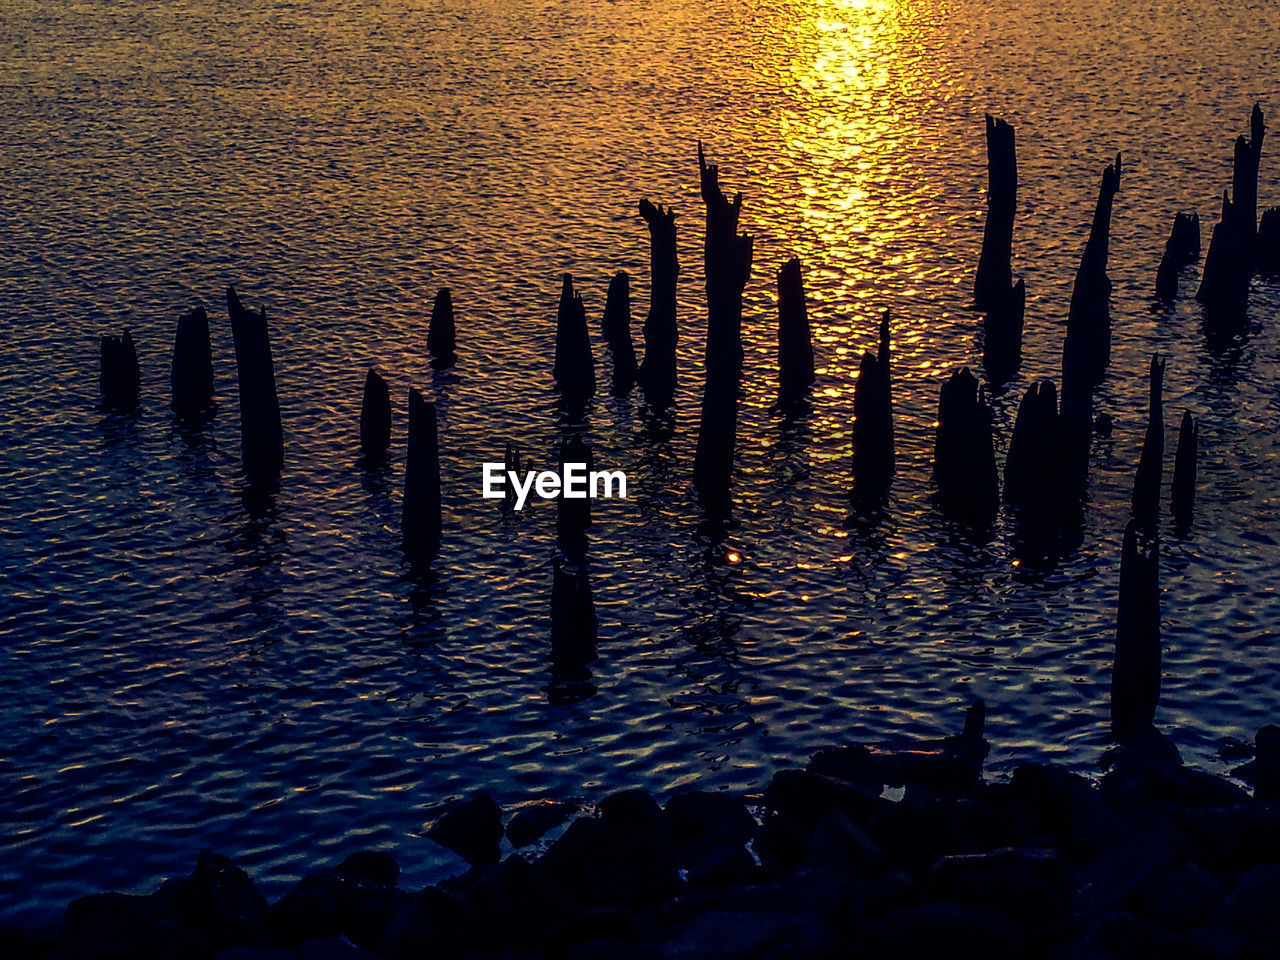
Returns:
<point x="728" y="256"/>
<point x="574" y="631"/>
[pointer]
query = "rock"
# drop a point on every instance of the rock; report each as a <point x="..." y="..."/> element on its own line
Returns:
<point x="613" y="949"/>
<point x="1122" y="936"/>
<point x="1029" y="886"/>
<point x="218" y="901"/>
<point x="1230" y="840"/>
<point x="471" y="828"/>
<point x="1263" y="771"/>
<point x="1180" y="899"/>
<point x="913" y="836"/>
<point x="951" y="930"/>
<point x="804" y="797"/>
<point x="431" y="924"/>
<point x="853" y="764"/>
<point x="839" y="845"/>
<point x="697" y="814"/>
<point x="533" y="819"/>
<point x="1055" y="806"/>
<point x="633" y="809"/>
<point x="106" y="926"/>
<point x="606" y="864"/>
<point x="327" y="903"/>
<point x="718" y="859"/>
<point x="733" y="935"/>
<point x="371" y="865"/>
<point x="517" y="904"/>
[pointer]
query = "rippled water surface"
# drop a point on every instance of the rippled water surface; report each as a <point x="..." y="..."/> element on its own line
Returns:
<point x="181" y="672"/>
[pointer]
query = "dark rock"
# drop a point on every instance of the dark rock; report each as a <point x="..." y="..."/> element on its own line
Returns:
<point x="853" y="764"/>
<point x="1180" y="899"/>
<point x="757" y="936"/>
<point x="634" y="809"/>
<point x="605" y="864"/>
<point x="699" y="813"/>
<point x="839" y="845"/>
<point x="471" y="828"/>
<point x="1047" y="804"/>
<point x="218" y="901"/>
<point x="613" y="949"/>
<point x="533" y="819"/>
<point x="1263" y="771"/>
<point x="432" y="924"/>
<point x="804" y="797"/>
<point x="952" y="930"/>
<point x="107" y="926"/>
<point x="327" y="903"/>
<point x="371" y="865"/>
<point x="913" y="836"/>
<point x="1030" y="886"/>
<point x="1122" y="936"/>
<point x="718" y="859"/>
<point x="516" y="904"/>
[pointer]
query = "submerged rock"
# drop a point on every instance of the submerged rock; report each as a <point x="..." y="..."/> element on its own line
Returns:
<point x="471" y="828"/>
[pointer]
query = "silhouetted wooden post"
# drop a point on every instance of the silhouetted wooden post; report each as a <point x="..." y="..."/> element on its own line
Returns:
<point x="573" y="516"/>
<point x="795" y="346"/>
<point x="1135" y="677"/>
<point x="191" y="370"/>
<point x="658" y="371"/>
<point x="873" y="422"/>
<point x="1146" y="482"/>
<point x="441" y="333"/>
<point x="1268" y="241"/>
<point x="421" y="518"/>
<point x="995" y="273"/>
<point x="575" y="370"/>
<point x="512" y="464"/>
<point x="1002" y="334"/>
<point x="574" y="633"/>
<point x="375" y="417"/>
<point x="118" y="377"/>
<point x="1087" y="350"/>
<point x="616" y="327"/>
<point x="728" y="266"/>
<point x="1181" y="250"/>
<point x="964" y="464"/>
<point x="1032" y="464"/>
<point x="1224" y="285"/>
<point x="1184" y="472"/>
<point x="261" y="435"/>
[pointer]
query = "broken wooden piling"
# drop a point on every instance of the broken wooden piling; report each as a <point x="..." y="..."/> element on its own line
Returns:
<point x="574" y="633"/>
<point x="261" y="434"/>
<point x="873" y="453"/>
<point x="574" y="370"/>
<point x="573" y="514"/>
<point x="119" y="380"/>
<point x="1135" y="676"/>
<point x="1181" y="249"/>
<point x="995" y="272"/>
<point x="1002" y="333"/>
<point x="1086" y="353"/>
<point x="615" y="324"/>
<point x="421" y="518"/>
<point x="375" y="417"/>
<point x="441" y="332"/>
<point x="1268" y="241"/>
<point x="795" y="345"/>
<point x="1183" y="498"/>
<point x="191" y="369"/>
<point x="964" y="465"/>
<point x="728" y="256"/>
<point x="657" y="372"/>
<point x="1146" y="481"/>
<point x="1224" y="285"/>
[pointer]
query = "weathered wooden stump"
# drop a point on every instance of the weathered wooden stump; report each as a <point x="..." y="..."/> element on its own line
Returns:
<point x="1032" y="465"/>
<point x="1183" y="498"/>
<point x="616" y="327"/>
<point x="191" y="370"/>
<point x="421" y="518"/>
<point x="119" y="381"/>
<point x="1086" y="352"/>
<point x="1182" y="249"/>
<point x="964" y="465"/>
<point x="658" y="371"/>
<point x="873" y="422"/>
<point x="1002" y="334"/>
<point x="441" y="332"/>
<point x="261" y="434"/>
<point x="1224" y="286"/>
<point x="573" y="515"/>
<point x="574" y="369"/>
<point x="728" y="256"/>
<point x="512" y="464"/>
<point x="1146" y="482"/>
<point x="795" y="345"/>
<point x="1135" y="677"/>
<point x="995" y="273"/>
<point x="375" y="417"/>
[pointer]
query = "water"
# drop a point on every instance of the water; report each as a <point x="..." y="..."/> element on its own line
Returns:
<point x="181" y="673"/>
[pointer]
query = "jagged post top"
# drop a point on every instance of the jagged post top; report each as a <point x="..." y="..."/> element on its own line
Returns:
<point x="1157" y="379"/>
<point x="712" y="195"/>
<point x="1111" y="177"/>
<point x="656" y="215"/>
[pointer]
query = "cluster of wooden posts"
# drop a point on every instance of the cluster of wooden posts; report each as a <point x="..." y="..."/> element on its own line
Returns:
<point x="1047" y="463"/>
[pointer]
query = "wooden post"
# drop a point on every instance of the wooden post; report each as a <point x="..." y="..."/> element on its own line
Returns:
<point x="1135" y="677"/>
<point x="441" y="333"/>
<point x="964" y="459"/>
<point x="1087" y="350"/>
<point x="118" y="378"/>
<point x="995" y="272"/>
<point x="658" y="371"/>
<point x="191" y="370"/>
<point x="261" y="435"/>
<point x="421" y="519"/>
<point x="375" y="417"/>
<point x="574" y="369"/>
<point x="1181" y="250"/>
<point x="873" y="422"/>
<point x="616" y="327"/>
<point x="795" y="346"/>
<point x="1184" y="472"/>
<point x="1002" y="333"/>
<point x="1146" y="482"/>
<point x="1224" y="285"/>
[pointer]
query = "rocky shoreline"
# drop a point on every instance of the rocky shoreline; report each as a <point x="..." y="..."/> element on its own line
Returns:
<point x="1154" y="860"/>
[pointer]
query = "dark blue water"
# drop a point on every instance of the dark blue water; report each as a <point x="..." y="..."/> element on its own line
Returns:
<point x="180" y="672"/>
